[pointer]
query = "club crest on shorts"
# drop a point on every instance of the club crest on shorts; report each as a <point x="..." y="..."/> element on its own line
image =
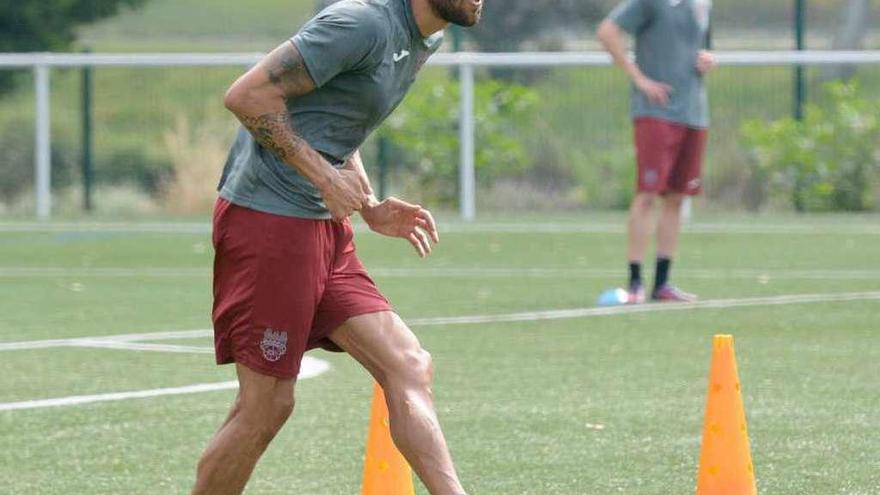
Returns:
<point x="273" y="345"/>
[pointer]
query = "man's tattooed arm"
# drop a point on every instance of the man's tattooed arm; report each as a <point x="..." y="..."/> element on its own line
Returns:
<point x="275" y="132"/>
<point x="259" y="100"/>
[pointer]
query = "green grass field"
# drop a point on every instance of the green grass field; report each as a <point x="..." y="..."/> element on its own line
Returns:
<point x="181" y="25"/>
<point x="519" y="400"/>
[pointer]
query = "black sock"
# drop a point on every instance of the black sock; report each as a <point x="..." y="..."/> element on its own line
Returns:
<point x="661" y="276"/>
<point x="635" y="273"/>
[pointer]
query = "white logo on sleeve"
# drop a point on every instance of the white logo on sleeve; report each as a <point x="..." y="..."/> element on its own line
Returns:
<point x="674" y="3"/>
<point x="274" y="345"/>
<point x="400" y="56"/>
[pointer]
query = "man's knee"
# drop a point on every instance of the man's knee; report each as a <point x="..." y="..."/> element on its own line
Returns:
<point x="282" y="408"/>
<point x="673" y="201"/>
<point x="266" y="427"/>
<point x="644" y="202"/>
<point x="421" y="365"/>
<point x="414" y="369"/>
<point x="265" y="416"/>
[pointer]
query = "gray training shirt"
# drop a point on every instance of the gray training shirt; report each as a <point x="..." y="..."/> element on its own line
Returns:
<point x="363" y="56"/>
<point x="669" y="34"/>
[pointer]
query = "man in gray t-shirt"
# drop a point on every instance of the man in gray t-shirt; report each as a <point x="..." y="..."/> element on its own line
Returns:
<point x="362" y="59"/>
<point x="286" y="274"/>
<point x="670" y="117"/>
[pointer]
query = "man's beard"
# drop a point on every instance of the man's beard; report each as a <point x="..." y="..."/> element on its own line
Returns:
<point x="454" y="11"/>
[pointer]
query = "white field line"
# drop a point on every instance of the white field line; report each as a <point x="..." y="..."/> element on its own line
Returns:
<point x="117" y="396"/>
<point x="310" y="368"/>
<point x="613" y="272"/>
<point x="456" y="227"/>
<point x="135" y="346"/>
<point x="501" y="272"/>
<point x="694" y="228"/>
<point x="104" y="341"/>
<point x="122" y="341"/>
<point x="105" y="227"/>
<point x="10" y="271"/>
<point x="648" y="308"/>
<point x="173" y="334"/>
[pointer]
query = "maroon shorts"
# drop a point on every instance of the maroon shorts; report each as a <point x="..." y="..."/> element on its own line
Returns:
<point x="282" y="285"/>
<point x="669" y="156"/>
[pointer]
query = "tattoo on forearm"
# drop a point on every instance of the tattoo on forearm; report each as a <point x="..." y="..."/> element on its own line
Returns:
<point x="287" y="71"/>
<point x="274" y="132"/>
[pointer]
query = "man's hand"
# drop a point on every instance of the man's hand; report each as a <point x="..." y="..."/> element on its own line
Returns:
<point x="396" y="218"/>
<point x="657" y="92"/>
<point x="355" y="164"/>
<point x="705" y="62"/>
<point x="344" y="194"/>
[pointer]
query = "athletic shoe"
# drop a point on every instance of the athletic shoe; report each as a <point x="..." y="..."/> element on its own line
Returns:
<point x="635" y="294"/>
<point x="669" y="293"/>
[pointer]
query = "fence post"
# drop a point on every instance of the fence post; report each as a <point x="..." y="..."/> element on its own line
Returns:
<point x="43" y="152"/>
<point x="467" y="175"/>
<point x="800" y="83"/>
<point x="87" y="140"/>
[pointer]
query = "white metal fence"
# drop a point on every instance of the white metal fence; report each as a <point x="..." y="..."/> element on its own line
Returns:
<point x="43" y="63"/>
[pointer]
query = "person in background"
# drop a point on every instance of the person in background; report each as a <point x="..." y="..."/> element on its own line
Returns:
<point x="670" y="118"/>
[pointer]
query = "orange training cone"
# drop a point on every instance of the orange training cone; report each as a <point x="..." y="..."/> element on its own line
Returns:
<point x="385" y="470"/>
<point x="725" y="461"/>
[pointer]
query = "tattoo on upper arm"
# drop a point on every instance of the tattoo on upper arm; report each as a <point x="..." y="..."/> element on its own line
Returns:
<point x="274" y="131"/>
<point x="287" y="71"/>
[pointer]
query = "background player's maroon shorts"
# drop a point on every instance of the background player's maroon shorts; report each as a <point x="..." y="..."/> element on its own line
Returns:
<point x="282" y="285"/>
<point x="669" y="156"/>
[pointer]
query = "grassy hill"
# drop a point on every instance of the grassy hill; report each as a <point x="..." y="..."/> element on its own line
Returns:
<point x="187" y="25"/>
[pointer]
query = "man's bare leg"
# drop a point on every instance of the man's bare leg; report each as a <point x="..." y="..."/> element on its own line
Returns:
<point x="262" y="407"/>
<point x="387" y="348"/>
<point x="639" y="227"/>
<point x="669" y="226"/>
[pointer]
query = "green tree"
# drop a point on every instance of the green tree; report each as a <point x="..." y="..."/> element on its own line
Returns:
<point x="48" y="25"/>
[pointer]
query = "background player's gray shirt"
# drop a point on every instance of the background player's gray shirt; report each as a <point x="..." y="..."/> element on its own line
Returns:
<point x="669" y="34"/>
<point x="363" y="55"/>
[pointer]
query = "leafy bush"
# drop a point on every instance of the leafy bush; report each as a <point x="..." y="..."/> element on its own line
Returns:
<point x="130" y="164"/>
<point x="425" y="133"/>
<point x="828" y="160"/>
<point x="17" y="162"/>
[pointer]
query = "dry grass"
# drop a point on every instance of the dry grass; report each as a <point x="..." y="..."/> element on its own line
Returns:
<point x="197" y="154"/>
<point x="109" y="200"/>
